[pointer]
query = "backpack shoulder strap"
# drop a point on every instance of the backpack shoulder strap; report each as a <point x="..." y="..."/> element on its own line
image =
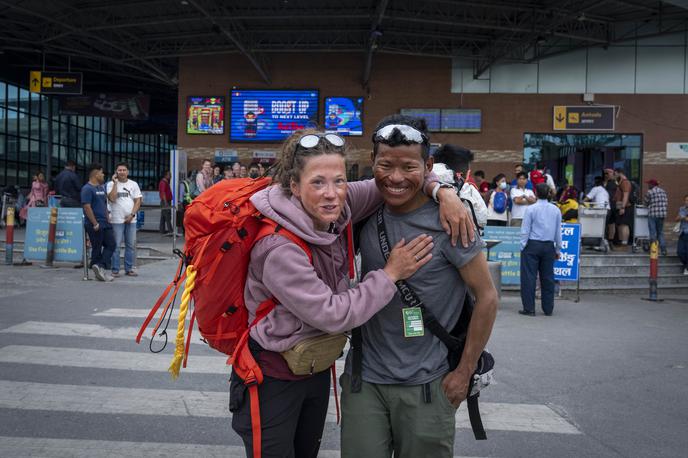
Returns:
<point x="270" y="227"/>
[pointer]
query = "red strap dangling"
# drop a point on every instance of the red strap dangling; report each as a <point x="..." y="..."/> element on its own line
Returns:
<point x="255" y="419"/>
<point x="336" y="398"/>
<point x="350" y="250"/>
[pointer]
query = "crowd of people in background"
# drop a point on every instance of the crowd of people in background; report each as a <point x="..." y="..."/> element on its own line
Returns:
<point x="505" y="198"/>
<point x="612" y="190"/>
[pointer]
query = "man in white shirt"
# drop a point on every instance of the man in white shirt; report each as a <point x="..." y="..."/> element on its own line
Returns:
<point x="521" y="197"/>
<point x="598" y="195"/>
<point x="124" y="200"/>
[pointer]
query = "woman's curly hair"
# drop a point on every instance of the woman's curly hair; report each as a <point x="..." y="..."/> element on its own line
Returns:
<point x="293" y="158"/>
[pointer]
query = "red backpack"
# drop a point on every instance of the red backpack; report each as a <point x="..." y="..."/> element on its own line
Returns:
<point x="537" y="177"/>
<point x="221" y="227"/>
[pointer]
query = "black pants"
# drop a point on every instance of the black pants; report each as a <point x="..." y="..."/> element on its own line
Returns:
<point x="682" y="249"/>
<point x="102" y="245"/>
<point x="537" y="257"/>
<point x="292" y="415"/>
<point x="165" y="219"/>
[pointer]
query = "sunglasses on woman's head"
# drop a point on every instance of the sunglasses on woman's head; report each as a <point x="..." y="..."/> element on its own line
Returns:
<point x="312" y="140"/>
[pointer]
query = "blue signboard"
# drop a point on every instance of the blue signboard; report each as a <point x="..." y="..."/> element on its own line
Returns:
<point x="508" y="252"/>
<point x="69" y="234"/>
<point x="566" y="267"/>
<point x="461" y="120"/>
<point x="343" y="115"/>
<point x="431" y="116"/>
<point x="267" y="115"/>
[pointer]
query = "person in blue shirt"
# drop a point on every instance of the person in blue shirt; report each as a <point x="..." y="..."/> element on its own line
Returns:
<point x="518" y="168"/>
<point x="540" y="247"/>
<point x="97" y="223"/>
<point x="682" y="248"/>
<point x="68" y="185"/>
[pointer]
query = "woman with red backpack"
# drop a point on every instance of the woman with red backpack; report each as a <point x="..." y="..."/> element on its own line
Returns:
<point x="309" y="283"/>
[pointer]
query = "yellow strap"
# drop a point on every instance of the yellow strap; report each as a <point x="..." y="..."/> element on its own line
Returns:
<point x="175" y="365"/>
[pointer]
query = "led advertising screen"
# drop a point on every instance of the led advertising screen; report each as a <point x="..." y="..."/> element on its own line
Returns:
<point x="461" y="120"/>
<point x="431" y="116"/>
<point x="271" y="115"/>
<point x="343" y="115"/>
<point x="205" y="115"/>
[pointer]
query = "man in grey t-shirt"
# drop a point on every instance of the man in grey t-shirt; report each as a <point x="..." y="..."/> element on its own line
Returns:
<point x="407" y="399"/>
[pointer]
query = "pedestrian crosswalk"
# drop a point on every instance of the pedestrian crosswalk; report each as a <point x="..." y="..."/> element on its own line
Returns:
<point x="71" y="352"/>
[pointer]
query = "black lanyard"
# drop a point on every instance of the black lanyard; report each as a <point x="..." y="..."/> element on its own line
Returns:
<point x="408" y="295"/>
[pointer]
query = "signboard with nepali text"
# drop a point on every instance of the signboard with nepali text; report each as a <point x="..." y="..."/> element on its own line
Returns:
<point x="508" y="252"/>
<point x="566" y="267"/>
<point x="69" y="234"/>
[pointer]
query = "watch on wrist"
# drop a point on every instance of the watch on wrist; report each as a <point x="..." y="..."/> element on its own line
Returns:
<point x="439" y="185"/>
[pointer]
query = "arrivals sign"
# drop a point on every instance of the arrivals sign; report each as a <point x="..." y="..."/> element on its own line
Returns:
<point x="566" y="267"/>
<point x="56" y="82"/>
<point x="586" y="117"/>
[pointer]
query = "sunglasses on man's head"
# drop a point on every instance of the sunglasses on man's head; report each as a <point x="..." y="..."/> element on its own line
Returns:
<point x="409" y="133"/>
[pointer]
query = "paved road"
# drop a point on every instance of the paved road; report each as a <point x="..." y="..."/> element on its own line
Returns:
<point x="605" y="377"/>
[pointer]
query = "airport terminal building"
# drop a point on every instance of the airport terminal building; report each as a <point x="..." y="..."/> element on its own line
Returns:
<point x="581" y="87"/>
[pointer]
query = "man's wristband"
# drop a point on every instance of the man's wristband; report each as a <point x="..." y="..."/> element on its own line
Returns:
<point x="439" y="185"/>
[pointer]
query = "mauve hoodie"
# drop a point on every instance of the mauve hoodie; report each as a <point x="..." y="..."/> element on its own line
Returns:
<point x="313" y="299"/>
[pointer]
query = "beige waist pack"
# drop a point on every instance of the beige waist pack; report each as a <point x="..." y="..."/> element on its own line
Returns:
<point x="315" y="354"/>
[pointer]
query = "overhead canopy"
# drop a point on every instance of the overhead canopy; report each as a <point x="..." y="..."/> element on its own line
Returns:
<point x="127" y="42"/>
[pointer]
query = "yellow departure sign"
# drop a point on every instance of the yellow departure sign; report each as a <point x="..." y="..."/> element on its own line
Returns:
<point x="55" y="82"/>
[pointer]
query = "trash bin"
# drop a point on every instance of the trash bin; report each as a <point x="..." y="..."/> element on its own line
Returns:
<point x="496" y="274"/>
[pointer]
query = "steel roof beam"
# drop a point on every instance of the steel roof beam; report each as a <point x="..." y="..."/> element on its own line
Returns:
<point x="523" y="45"/>
<point x="375" y="33"/>
<point x="153" y="70"/>
<point x="249" y="55"/>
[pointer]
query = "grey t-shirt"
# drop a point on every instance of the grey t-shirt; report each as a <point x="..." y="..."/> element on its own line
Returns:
<point x="388" y="356"/>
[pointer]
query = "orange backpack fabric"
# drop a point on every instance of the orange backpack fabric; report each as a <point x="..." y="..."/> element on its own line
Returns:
<point x="221" y="226"/>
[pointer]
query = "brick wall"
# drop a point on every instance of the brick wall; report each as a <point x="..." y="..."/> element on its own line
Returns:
<point x="403" y="82"/>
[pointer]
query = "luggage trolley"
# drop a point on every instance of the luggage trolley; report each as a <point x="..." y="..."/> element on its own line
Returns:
<point x="641" y="229"/>
<point x="593" y="221"/>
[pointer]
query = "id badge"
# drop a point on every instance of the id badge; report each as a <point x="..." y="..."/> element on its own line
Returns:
<point x="413" y="322"/>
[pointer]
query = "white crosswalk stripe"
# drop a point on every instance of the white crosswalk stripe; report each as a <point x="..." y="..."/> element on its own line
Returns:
<point x="87" y="399"/>
<point x="130" y="313"/>
<point x="146" y="402"/>
<point x="31" y="447"/>
<point x="86" y="330"/>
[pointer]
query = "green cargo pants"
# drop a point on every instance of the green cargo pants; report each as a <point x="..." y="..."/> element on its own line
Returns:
<point x="385" y="419"/>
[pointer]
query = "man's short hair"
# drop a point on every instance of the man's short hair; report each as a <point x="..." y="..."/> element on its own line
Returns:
<point x="122" y="164"/>
<point x="455" y="157"/>
<point x="397" y="138"/>
<point x="522" y="175"/>
<point x="599" y="181"/>
<point x="70" y="163"/>
<point x="619" y="170"/>
<point x="519" y="165"/>
<point x="542" y="190"/>
<point x="93" y="167"/>
<point x="479" y="173"/>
